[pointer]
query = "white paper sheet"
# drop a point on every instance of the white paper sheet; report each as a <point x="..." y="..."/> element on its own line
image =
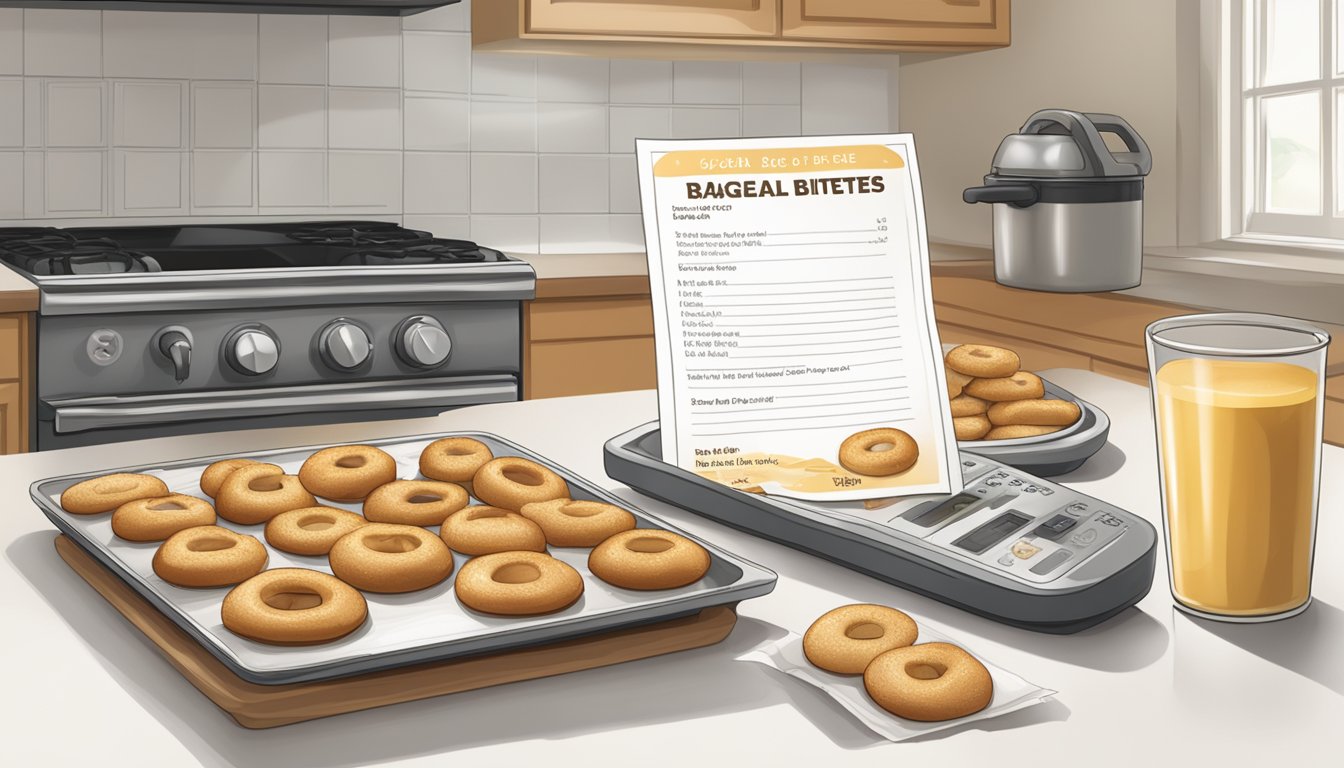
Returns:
<point x="792" y="310"/>
<point x="785" y="655"/>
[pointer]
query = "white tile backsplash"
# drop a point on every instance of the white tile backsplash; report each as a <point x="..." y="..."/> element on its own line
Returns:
<point x="198" y="46"/>
<point x="150" y="183"/>
<point x="571" y="127"/>
<point x="578" y="233"/>
<point x="364" y="50"/>
<point x="11" y="185"/>
<point x="11" y="112"/>
<point x="437" y="61"/>
<point x="641" y="81"/>
<point x="629" y="123"/>
<point x="369" y="182"/>
<point x="707" y="82"/>
<point x="222" y="182"/>
<point x="33" y="98"/>
<point x="771" y="120"/>
<point x="11" y="44"/>
<point x="843" y="98"/>
<point x="149" y="113"/>
<point x="291" y="117"/>
<point x="457" y="227"/>
<point x="364" y="118"/>
<point x="163" y="115"/>
<point x="451" y="18"/>
<point x="76" y="113"/>
<point x="62" y="43"/>
<point x="75" y="183"/>
<point x="293" y="49"/>
<point x="573" y="78"/>
<point x="437" y="123"/>
<point x="503" y="183"/>
<point x="573" y="183"/>
<point x="624" y="181"/>
<point x="507" y="233"/>
<point x="292" y="179"/>
<point x="504" y="74"/>
<point x="503" y="126"/>
<point x="437" y="182"/>
<point x="706" y="122"/>
<point x="222" y="115"/>
<point x="771" y="82"/>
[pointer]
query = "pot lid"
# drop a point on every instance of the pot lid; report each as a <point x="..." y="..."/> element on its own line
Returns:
<point x="1061" y="143"/>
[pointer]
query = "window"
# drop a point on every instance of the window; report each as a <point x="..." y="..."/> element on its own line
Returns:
<point x="1287" y="82"/>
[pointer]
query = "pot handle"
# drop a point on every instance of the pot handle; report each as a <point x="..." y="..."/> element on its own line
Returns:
<point x="1086" y="132"/>
<point x="1019" y="195"/>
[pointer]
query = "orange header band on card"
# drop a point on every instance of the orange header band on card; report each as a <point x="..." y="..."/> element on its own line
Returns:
<point x="783" y="160"/>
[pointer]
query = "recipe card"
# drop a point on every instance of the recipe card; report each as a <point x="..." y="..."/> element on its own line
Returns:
<point x="792" y="315"/>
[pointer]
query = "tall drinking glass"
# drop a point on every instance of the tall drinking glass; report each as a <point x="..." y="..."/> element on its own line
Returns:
<point x="1237" y="400"/>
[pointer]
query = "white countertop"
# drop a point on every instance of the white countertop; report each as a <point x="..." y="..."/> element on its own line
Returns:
<point x="83" y="687"/>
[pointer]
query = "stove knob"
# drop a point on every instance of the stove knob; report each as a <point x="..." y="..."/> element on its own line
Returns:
<point x="344" y="345"/>
<point x="422" y="342"/>
<point x="252" y="350"/>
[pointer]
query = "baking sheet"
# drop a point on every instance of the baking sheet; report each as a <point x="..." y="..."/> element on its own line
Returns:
<point x="409" y="628"/>
<point x="785" y="655"/>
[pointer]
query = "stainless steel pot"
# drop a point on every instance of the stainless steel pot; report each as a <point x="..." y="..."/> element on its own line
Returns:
<point x="1068" y="212"/>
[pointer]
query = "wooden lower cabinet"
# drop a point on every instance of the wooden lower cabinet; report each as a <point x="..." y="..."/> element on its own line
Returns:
<point x="560" y="368"/>
<point x="588" y="346"/>
<point x="15" y="381"/>
<point x="13" y="430"/>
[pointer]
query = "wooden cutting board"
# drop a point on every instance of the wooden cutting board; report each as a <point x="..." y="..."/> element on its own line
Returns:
<point x="266" y="706"/>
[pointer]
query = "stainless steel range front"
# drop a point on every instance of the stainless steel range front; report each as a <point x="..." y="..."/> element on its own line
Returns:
<point x="153" y="331"/>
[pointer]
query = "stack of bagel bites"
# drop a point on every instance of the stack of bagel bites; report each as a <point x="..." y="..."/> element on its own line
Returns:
<point x="992" y="398"/>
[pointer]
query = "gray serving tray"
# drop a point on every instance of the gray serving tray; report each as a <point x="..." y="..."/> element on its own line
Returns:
<point x="411" y="628"/>
<point x="1056" y="453"/>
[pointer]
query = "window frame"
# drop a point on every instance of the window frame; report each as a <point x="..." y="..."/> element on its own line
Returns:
<point x="1241" y="156"/>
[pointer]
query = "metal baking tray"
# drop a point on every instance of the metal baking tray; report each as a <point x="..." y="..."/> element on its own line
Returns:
<point x="410" y="628"/>
<point x="1056" y="453"/>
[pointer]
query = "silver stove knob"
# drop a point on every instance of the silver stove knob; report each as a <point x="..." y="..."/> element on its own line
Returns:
<point x="422" y="342"/>
<point x="252" y="351"/>
<point x="344" y="345"/>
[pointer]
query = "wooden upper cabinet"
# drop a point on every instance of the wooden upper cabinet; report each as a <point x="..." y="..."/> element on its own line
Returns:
<point x="955" y="23"/>
<point x="749" y="28"/>
<point x="657" y="18"/>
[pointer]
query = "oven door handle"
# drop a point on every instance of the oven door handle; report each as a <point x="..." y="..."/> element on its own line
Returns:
<point x="83" y="414"/>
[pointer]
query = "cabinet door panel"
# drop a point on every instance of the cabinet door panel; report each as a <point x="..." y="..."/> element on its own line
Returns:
<point x="11" y="418"/>
<point x="11" y="346"/>
<point x="560" y="368"/>
<point x="655" y="18"/>
<point x="927" y="22"/>
<point x="589" y="319"/>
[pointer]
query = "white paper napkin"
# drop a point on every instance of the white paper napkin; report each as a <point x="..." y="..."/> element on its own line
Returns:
<point x="1011" y="692"/>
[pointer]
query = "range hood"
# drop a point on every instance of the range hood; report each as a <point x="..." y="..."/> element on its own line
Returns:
<point x="341" y="7"/>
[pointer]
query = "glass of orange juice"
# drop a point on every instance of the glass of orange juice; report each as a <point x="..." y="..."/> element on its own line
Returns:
<point x="1237" y="400"/>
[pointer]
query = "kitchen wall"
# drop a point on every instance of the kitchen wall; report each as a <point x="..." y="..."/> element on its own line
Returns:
<point x="176" y="117"/>
<point x="1088" y="55"/>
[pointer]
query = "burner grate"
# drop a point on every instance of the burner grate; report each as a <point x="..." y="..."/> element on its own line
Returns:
<point x="434" y="251"/>
<point x="52" y="252"/>
<point x="357" y="234"/>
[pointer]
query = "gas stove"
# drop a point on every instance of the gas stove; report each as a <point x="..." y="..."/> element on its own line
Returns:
<point x="147" y="331"/>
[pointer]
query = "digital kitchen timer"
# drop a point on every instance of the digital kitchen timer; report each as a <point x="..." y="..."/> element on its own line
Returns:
<point x="1010" y="546"/>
